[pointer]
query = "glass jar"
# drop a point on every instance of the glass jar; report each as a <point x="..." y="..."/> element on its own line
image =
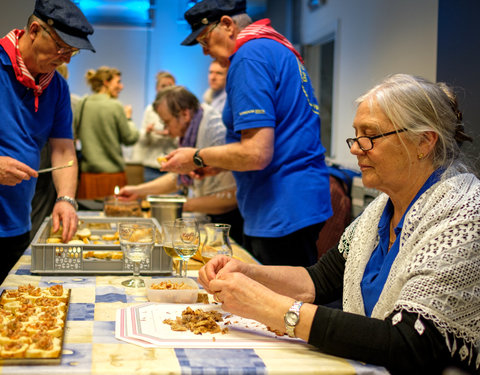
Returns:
<point x="114" y="207"/>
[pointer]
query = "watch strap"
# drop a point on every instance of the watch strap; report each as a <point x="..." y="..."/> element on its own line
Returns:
<point x="65" y="198"/>
<point x="295" y="308"/>
<point x="198" y="160"/>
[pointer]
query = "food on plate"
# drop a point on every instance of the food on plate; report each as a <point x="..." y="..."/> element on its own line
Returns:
<point x="56" y="292"/>
<point x="44" y="346"/>
<point x="32" y="321"/>
<point x="198" y="321"/>
<point x="14" y="350"/>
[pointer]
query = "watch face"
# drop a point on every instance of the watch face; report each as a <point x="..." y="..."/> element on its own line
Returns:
<point x="197" y="161"/>
<point x="291" y="318"/>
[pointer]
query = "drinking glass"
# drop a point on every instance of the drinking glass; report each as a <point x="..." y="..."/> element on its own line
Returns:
<point x="136" y="242"/>
<point x="217" y="241"/>
<point x="186" y="239"/>
<point x="167" y="234"/>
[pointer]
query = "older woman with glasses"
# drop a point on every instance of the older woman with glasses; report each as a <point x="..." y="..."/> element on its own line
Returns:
<point x="408" y="268"/>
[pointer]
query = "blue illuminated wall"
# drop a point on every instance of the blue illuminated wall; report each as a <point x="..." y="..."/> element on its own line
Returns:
<point x="118" y="12"/>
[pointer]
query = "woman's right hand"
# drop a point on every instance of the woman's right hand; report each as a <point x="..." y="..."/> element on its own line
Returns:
<point x="128" y="111"/>
<point x="217" y="266"/>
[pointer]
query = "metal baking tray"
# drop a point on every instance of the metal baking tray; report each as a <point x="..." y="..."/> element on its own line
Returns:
<point x="40" y="361"/>
<point x="68" y="259"/>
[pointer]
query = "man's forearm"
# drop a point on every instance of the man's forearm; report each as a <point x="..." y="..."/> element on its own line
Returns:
<point x="65" y="180"/>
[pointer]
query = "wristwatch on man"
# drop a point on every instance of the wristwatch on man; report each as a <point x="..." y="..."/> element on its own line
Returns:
<point x="291" y="318"/>
<point x="68" y="199"/>
<point x="197" y="159"/>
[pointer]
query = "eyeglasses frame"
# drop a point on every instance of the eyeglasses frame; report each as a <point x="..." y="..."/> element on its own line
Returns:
<point x="202" y="39"/>
<point x="351" y="141"/>
<point x="61" y="50"/>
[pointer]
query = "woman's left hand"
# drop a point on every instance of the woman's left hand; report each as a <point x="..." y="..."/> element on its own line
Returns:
<point x="245" y="297"/>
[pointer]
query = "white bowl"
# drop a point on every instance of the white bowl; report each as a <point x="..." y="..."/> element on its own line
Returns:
<point x="172" y="295"/>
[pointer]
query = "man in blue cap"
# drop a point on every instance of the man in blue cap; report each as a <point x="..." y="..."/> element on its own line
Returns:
<point x="36" y="109"/>
<point x="273" y="134"/>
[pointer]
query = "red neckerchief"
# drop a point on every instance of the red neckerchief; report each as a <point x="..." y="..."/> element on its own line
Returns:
<point x="10" y="44"/>
<point x="263" y="29"/>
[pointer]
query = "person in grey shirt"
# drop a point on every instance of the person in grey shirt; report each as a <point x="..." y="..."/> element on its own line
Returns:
<point x="197" y="125"/>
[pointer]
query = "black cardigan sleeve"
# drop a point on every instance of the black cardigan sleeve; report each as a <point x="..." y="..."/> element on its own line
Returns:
<point x="327" y="276"/>
<point x="399" y="348"/>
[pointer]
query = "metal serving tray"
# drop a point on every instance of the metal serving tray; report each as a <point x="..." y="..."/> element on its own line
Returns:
<point x="65" y="259"/>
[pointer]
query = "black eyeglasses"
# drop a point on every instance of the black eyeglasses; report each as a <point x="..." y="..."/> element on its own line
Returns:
<point x="203" y="39"/>
<point x="62" y="50"/>
<point x="366" y="143"/>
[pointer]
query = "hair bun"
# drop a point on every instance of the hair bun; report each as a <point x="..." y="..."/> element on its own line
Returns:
<point x="460" y="135"/>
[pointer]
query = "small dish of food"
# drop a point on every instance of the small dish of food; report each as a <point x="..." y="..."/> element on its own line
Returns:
<point x="172" y="290"/>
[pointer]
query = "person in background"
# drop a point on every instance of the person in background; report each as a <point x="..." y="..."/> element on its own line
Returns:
<point x="273" y="134"/>
<point x="74" y="98"/>
<point x="103" y="124"/>
<point x="36" y="109"/>
<point x="408" y="267"/>
<point x="217" y="80"/>
<point x="196" y="125"/>
<point x="154" y="140"/>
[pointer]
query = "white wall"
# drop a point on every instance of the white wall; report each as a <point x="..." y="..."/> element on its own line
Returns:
<point x="119" y="47"/>
<point x="139" y="53"/>
<point x="374" y="38"/>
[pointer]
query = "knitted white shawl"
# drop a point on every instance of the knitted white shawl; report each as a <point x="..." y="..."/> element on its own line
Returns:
<point x="437" y="270"/>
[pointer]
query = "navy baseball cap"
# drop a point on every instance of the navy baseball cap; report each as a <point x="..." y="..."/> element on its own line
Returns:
<point x="68" y="21"/>
<point x="208" y="11"/>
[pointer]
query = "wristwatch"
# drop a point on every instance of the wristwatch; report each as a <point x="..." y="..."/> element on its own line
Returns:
<point x="68" y="199"/>
<point x="197" y="159"/>
<point x="291" y="318"/>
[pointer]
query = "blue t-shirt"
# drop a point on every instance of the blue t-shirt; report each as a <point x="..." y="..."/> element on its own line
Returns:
<point x="23" y="134"/>
<point x="267" y="86"/>
<point x="381" y="260"/>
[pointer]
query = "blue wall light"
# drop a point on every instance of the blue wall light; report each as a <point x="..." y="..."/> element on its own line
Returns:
<point x="118" y="12"/>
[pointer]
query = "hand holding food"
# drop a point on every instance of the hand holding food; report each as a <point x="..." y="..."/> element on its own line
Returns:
<point x="161" y="159"/>
<point x="127" y="193"/>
